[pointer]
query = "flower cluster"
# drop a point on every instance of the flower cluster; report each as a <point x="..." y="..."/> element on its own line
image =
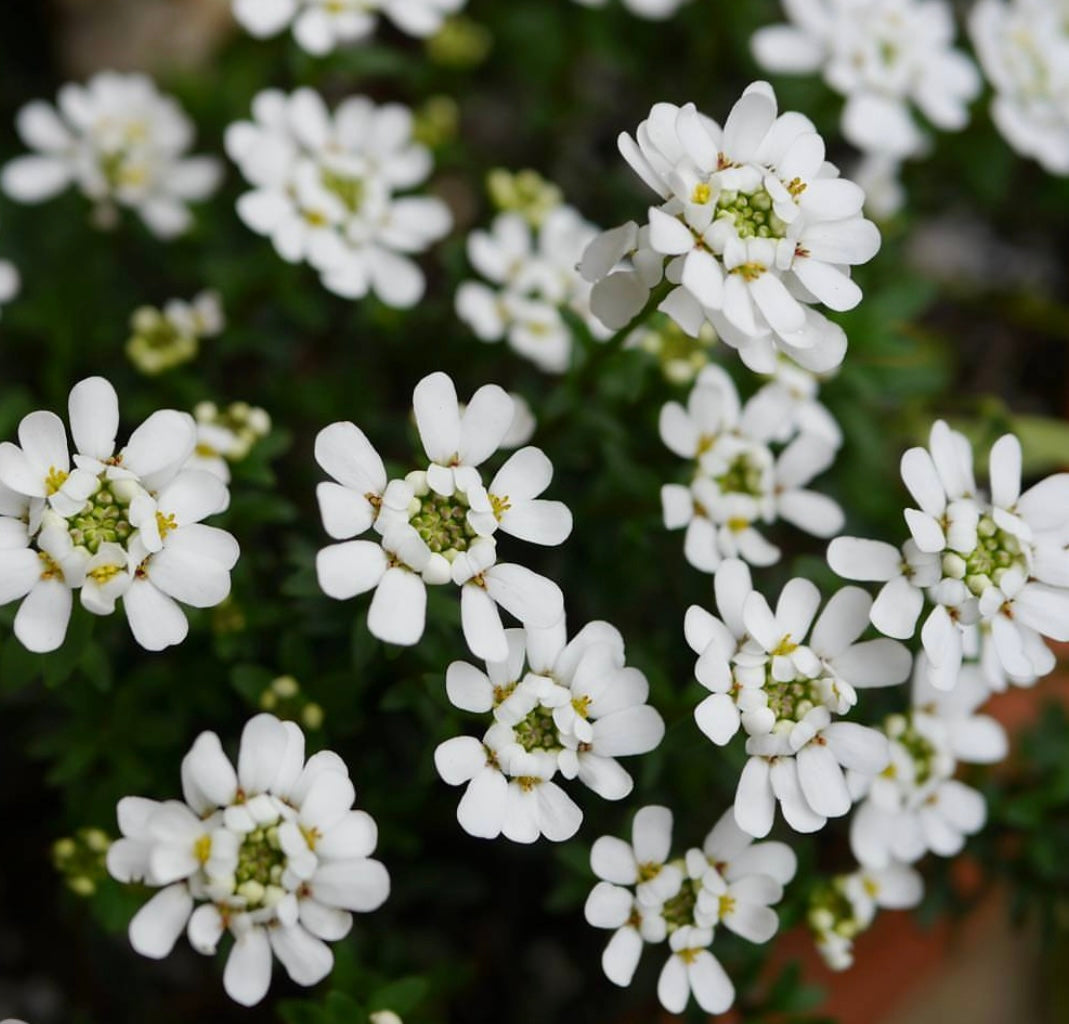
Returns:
<point x="122" y="144"/>
<point x="323" y="190"/>
<point x="915" y="804"/>
<point x="576" y="708"/>
<point x="680" y="356"/>
<point x="645" y="896"/>
<point x="165" y="338"/>
<point x="272" y="853"/>
<point x="1023" y="47"/>
<point x="753" y="229"/>
<point x="124" y="524"/>
<point x="737" y="482"/>
<point x="883" y="56"/>
<point x="784" y="691"/>
<point x="437" y="524"/>
<point x="319" y="26"/>
<point x="533" y="272"/>
<point x="995" y="568"/>
<point x="846" y="906"/>
<point x="226" y="435"/>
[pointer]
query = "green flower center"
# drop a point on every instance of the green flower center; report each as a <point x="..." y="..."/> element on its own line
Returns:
<point x="679" y="910"/>
<point x="920" y="749"/>
<point x="743" y="476"/>
<point x="349" y="190"/>
<point x="751" y="214"/>
<point x="443" y="523"/>
<point x="792" y="701"/>
<point x="102" y="521"/>
<point x="538" y="731"/>
<point x="261" y="863"/>
<point x="995" y="552"/>
<point x="830" y="910"/>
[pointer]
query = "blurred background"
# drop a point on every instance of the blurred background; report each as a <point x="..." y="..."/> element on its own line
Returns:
<point x="965" y="315"/>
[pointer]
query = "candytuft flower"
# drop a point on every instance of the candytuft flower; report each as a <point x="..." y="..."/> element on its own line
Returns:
<point x="110" y="524"/>
<point x="752" y="229"/>
<point x="324" y="190"/>
<point x="165" y="338"/>
<point x="884" y="56"/>
<point x="122" y="144"/>
<point x="272" y="853"/>
<point x="437" y="525"/>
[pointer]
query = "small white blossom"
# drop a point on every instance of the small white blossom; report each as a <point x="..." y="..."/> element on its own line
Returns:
<point x="1023" y="47"/>
<point x="272" y="852"/>
<point x="324" y="190"/>
<point x="754" y="227"/>
<point x="535" y="278"/>
<point x="437" y="525"/>
<point x="884" y="56"/>
<point x="652" y="10"/>
<point x="995" y="569"/>
<point x="575" y="709"/>
<point x="320" y="26"/>
<point x="738" y="482"/>
<point x="226" y="436"/>
<point x="163" y="339"/>
<point x="110" y="524"/>
<point x="122" y="144"/>
<point x="782" y="690"/>
<point x="645" y="896"/>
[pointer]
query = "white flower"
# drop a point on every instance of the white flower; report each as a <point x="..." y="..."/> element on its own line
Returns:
<point x="916" y="805"/>
<point x="272" y="853"/>
<point x="166" y="338"/>
<point x="226" y="436"/>
<point x="1023" y="47"/>
<point x="437" y="524"/>
<point x="846" y="906"/>
<point x="738" y="481"/>
<point x="783" y="691"/>
<point x="536" y="278"/>
<point x="755" y="226"/>
<point x="645" y="897"/>
<point x="124" y="524"/>
<point x="319" y="26"/>
<point x="653" y="10"/>
<point x="324" y="191"/>
<point x="575" y="710"/>
<point x="122" y="144"/>
<point x="883" y="56"/>
<point x="996" y="564"/>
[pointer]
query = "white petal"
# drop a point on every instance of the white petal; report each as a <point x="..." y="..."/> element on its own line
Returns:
<point x="94" y="417"/>
<point x="41" y="621"/>
<point x="755" y="806"/>
<point x="712" y="988"/>
<point x="398" y="610"/>
<point x="156" y="926"/>
<point x="307" y="959"/>
<point x="345" y="570"/>
<point x="621" y="956"/>
<point x="247" y="975"/>
<point x="434" y="403"/>
<point x="821" y="780"/>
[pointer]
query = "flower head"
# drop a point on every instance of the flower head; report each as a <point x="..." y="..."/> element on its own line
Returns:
<point x="122" y="144"/>
<point x="272" y="852"/>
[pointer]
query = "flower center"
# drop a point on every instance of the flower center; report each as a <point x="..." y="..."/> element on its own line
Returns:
<point x="995" y="552"/>
<point x="103" y="520"/>
<point x="258" y="876"/>
<point x="830" y="910"/>
<point x="443" y="523"/>
<point x="791" y="702"/>
<point x="349" y="190"/>
<point x="679" y="910"/>
<point x="903" y="730"/>
<point x="538" y="731"/>
<point x="742" y="476"/>
<point x="751" y="213"/>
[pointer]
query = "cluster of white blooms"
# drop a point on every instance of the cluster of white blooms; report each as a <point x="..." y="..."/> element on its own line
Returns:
<point x="846" y="906"/>
<point x="437" y="524"/>
<point x="995" y="568"/>
<point x="225" y="436"/>
<point x="533" y="271"/>
<point x="1023" y="47"/>
<point x="319" y="26"/>
<point x="165" y="338"/>
<point x="272" y="853"/>
<point x="324" y="191"/>
<point x="576" y="708"/>
<point x="653" y="10"/>
<point x="122" y="144"/>
<point x="738" y="482"/>
<point x="681" y="357"/>
<point x="755" y="228"/>
<point x="123" y="524"/>
<point x="783" y="691"/>
<point x="647" y="897"/>
<point x="883" y="56"/>
<point x="915" y="804"/>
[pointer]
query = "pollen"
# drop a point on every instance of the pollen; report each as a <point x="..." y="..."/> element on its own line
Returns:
<point x="796" y="187"/>
<point x="103" y="573"/>
<point x="55" y="479"/>
<point x="51" y="570"/>
<point x="751" y="271"/>
<point x="165" y="523"/>
<point x="499" y="505"/>
<point x="701" y="194"/>
<point x="202" y="848"/>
